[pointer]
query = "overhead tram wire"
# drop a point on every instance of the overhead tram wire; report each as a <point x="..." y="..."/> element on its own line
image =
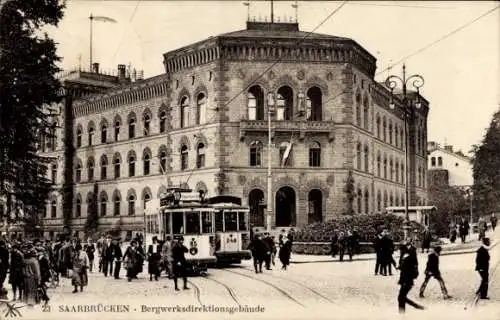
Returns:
<point x="272" y="66"/>
<point x="124" y="34"/>
<point x="426" y="47"/>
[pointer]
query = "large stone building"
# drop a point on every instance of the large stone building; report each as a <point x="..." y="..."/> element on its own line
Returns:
<point x="457" y="165"/>
<point x="203" y="124"/>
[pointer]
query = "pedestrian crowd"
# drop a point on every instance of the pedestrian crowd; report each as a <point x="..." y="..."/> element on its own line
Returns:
<point x="264" y="250"/>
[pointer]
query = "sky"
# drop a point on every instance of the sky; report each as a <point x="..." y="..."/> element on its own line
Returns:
<point x="461" y="71"/>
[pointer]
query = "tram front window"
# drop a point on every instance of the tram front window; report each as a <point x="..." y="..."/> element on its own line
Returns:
<point x="178" y="222"/>
<point x="192" y="222"/>
<point x="231" y="221"/>
<point x="242" y="221"/>
<point x="206" y="222"/>
<point x="218" y="221"/>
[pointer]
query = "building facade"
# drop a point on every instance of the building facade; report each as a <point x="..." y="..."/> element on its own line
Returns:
<point x="204" y="125"/>
<point x="458" y="165"/>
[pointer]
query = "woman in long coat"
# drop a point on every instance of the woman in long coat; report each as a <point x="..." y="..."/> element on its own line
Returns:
<point x="16" y="275"/>
<point x="285" y="252"/>
<point x="130" y="259"/>
<point x="33" y="278"/>
<point x="80" y="265"/>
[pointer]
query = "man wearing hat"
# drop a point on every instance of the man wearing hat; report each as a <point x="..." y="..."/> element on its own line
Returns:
<point x="482" y="266"/>
<point x="409" y="272"/>
<point x="179" y="261"/>
<point x="432" y="270"/>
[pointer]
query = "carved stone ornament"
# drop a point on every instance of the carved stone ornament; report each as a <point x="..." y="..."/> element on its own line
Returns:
<point x="330" y="180"/>
<point x="272" y="75"/>
<point x="329" y="76"/>
<point x="301" y="74"/>
<point x="242" y="180"/>
<point x="241" y="74"/>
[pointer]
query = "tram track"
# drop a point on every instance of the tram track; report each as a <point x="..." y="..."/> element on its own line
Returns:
<point x="231" y="292"/>
<point x="275" y="287"/>
<point x="197" y="292"/>
<point x="297" y="283"/>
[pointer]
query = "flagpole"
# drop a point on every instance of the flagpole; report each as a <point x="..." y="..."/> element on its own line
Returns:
<point x="91" y="18"/>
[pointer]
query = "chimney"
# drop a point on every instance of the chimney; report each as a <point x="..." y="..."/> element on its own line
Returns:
<point x="448" y="148"/>
<point x="95" y="67"/>
<point x="121" y="71"/>
<point x="134" y="75"/>
<point x="140" y="75"/>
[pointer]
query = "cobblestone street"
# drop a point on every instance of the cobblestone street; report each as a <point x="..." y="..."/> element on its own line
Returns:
<point x="306" y="290"/>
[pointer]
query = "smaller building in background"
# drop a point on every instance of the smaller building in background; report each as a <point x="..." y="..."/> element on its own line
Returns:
<point x="457" y="165"/>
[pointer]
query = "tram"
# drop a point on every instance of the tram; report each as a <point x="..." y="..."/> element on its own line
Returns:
<point x="215" y="230"/>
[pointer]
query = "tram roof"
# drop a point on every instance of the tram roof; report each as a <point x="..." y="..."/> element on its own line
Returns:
<point x="198" y="205"/>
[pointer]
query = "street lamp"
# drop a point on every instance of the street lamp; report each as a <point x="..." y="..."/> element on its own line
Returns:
<point x="417" y="82"/>
<point x="270" y="111"/>
<point x="470" y="193"/>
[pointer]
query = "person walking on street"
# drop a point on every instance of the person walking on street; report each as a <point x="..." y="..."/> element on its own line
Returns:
<point x="493" y="221"/>
<point x="167" y="257"/>
<point x="154" y="256"/>
<point x="426" y="240"/>
<point x="117" y="255"/>
<point x="180" y="263"/>
<point x="90" y="250"/>
<point x="432" y="270"/>
<point x="463" y="229"/>
<point x="258" y="249"/>
<point x="107" y="251"/>
<point x="130" y="260"/>
<point x="285" y="253"/>
<point x="482" y="267"/>
<point x="80" y="265"/>
<point x="481" y="226"/>
<point x="409" y="272"/>
<point x="377" y="246"/>
<point x="269" y="243"/>
<point x="16" y="275"/>
<point x="4" y="264"/>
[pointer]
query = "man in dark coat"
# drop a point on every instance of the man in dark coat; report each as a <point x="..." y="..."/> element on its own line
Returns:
<point x="179" y="262"/>
<point x="463" y="229"/>
<point x="387" y="249"/>
<point x="270" y="247"/>
<point x="4" y="263"/>
<point x="377" y="246"/>
<point x="409" y="272"/>
<point x="107" y="259"/>
<point x="493" y="221"/>
<point x="116" y="252"/>
<point x="482" y="266"/>
<point x="154" y="256"/>
<point x="432" y="270"/>
<point x="426" y="240"/>
<point x="259" y="250"/>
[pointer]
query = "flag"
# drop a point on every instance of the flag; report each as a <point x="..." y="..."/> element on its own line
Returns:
<point x="102" y="19"/>
<point x="286" y="154"/>
<point x="246" y="4"/>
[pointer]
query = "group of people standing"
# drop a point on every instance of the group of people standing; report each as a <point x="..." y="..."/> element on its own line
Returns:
<point x="263" y="248"/>
<point x="344" y="243"/>
<point x="384" y="249"/>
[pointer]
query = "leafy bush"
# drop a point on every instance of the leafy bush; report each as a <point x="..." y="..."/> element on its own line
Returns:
<point x="367" y="227"/>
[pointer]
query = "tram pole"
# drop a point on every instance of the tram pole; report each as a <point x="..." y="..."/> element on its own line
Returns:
<point x="270" y="104"/>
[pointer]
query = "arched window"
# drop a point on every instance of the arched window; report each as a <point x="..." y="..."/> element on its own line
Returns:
<point x="163" y="162"/>
<point x="90" y="168"/>
<point x="131" y="165"/>
<point x="396" y="135"/>
<point x="255" y="103"/>
<point x="390" y="131"/>
<point x="379" y="201"/>
<point x="200" y="155"/>
<point x="146" y="163"/>
<point x="358" y="156"/>
<point x="385" y="199"/>
<point x="384" y="130"/>
<point x="201" y="108"/>
<point x="314" y="104"/>
<point x="104" y="204"/>
<point x="117" y="167"/>
<point x="284" y="103"/>
<point x="163" y="122"/>
<point x="53" y="209"/>
<point x="184" y="112"/>
<point x="104" y="133"/>
<point x="367" y="159"/>
<point x="314" y="154"/>
<point x="147" y="198"/>
<point x="54" y="173"/>
<point x="403" y="173"/>
<point x="391" y="200"/>
<point x="78" y="172"/>
<point x="147" y="124"/>
<point x="433" y="161"/>
<point x="184" y="157"/>
<point x="385" y="166"/>
<point x="104" y="167"/>
<point x="116" y="204"/>
<point x="131" y="205"/>
<point x="358" y="110"/>
<point x="78" y="207"/>
<point x="285" y="159"/>
<point x="366" y="116"/>
<point x="53" y="137"/>
<point x="396" y="167"/>
<point x="91" y="135"/>
<point x="419" y="177"/>
<point x="117" y="130"/>
<point x="131" y="127"/>
<point x="360" y="200"/>
<point x="79" y="137"/>
<point x="440" y="161"/>
<point x="255" y="154"/>
<point x="402" y="139"/>
<point x="391" y="169"/>
<point x="378" y="126"/>
<point x="367" y="201"/>
<point x="378" y="164"/>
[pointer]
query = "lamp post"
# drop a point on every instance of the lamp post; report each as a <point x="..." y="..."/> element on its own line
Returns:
<point x="417" y="82"/>
<point x="471" y="195"/>
<point x="270" y="111"/>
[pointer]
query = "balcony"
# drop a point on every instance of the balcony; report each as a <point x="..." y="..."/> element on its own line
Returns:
<point x="287" y="126"/>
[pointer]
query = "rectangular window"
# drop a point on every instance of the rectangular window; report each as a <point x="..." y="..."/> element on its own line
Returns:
<point x="433" y="161"/>
<point x="193" y="222"/>
<point x="440" y="161"/>
<point x="314" y="158"/>
<point x="255" y="159"/>
<point x="230" y="221"/>
<point x="103" y="172"/>
<point x="252" y="109"/>
<point x="103" y="208"/>
<point x="116" y="210"/>
<point x="206" y="222"/>
<point x="200" y="161"/>
<point x="242" y="221"/>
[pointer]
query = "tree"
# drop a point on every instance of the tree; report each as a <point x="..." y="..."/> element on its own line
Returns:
<point x="27" y="87"/>
<point x="486" y="162"/>
<point x="92" y="222"/>
<point x="350" y="194"/>
<point x="450" y="202"/>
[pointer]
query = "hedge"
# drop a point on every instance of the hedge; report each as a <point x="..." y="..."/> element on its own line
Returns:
<point x="367" y="227"/>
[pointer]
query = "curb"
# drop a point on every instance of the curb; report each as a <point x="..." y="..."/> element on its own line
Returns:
<point x="361" y="258"/>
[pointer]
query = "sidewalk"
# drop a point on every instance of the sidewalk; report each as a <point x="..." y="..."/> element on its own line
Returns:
<point x="469" y="246"/>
